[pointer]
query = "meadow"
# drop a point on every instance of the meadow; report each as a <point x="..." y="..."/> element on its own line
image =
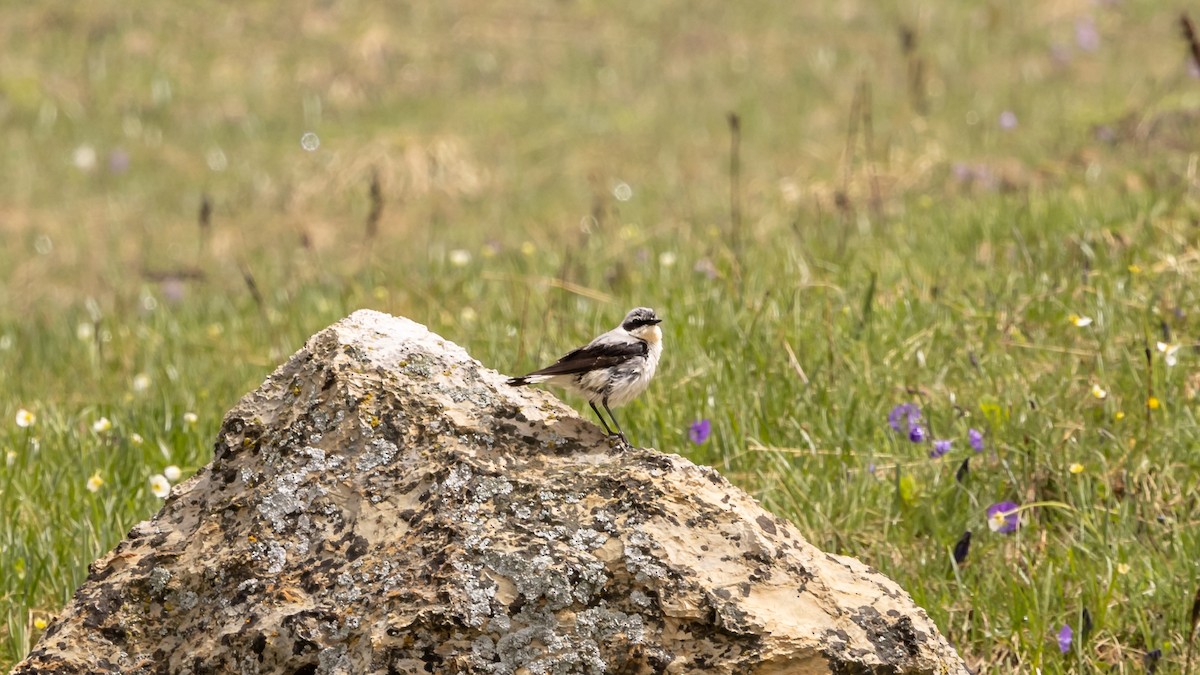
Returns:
<point x="916" y="260"/>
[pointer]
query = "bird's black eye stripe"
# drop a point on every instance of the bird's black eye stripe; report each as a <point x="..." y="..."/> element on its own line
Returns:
<point x="638" y="323"/>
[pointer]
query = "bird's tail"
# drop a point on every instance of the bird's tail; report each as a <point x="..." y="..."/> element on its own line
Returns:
<point x="525" y="379"/>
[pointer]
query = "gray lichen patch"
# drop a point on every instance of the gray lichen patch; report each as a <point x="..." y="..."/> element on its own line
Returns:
<point x="383" y="503"/>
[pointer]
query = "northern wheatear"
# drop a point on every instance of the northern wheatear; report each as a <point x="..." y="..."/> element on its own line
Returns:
<point x="611" y="369"/>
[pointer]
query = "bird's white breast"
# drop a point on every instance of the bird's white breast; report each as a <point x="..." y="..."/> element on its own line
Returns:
<point x="629" y="389"/>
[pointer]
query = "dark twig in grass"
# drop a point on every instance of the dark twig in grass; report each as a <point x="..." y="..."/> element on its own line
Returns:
<point x="204" y="220"/>
<point x="846" y="210"/>
<point x="830" y="348"/>
<point x="252" y="286"/>
<point x="1149" y="385"/>
<point x="735" y="188"/>
<point x="867" y="306"/>
<point x="1192" y="630"/>
<point x="916" y="69"/>
<point x="376" y="194"/>
<point x="1189" y="34"/>
<point x="841" y="197"/>
<point x="98" y="340"/>
<point x="204" y="217"/>
<point x="876" y="201"/>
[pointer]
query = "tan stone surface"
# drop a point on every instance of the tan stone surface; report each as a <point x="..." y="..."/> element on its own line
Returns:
<point x="383" y="503"/>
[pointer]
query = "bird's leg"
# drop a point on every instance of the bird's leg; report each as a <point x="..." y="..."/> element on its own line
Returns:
<point x="597" y="411"/>
<point x="620" y="434"/>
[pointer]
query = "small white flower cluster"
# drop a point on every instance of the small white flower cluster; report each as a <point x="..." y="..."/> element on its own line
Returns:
<point x="160" y="483"/>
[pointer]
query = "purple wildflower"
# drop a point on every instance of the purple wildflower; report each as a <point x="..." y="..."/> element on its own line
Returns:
<point x="699" y="431"/>
<point x="706" y="267"/>
<point x="1003" y="517"/>
<point x="974" y="174"/>
<point x="1065" y="635"/>
<point x="1086" y="35"/>
<point x="173" y="290"/>
<point x="975" y="438"/>
<point x="940" y="447"/>
<point x="916" y="433"/>
<point x="903" y="417"/>
<point x="118" y="161"/>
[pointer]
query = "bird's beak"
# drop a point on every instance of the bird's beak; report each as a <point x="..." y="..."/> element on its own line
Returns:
<point x="654" y="322"/>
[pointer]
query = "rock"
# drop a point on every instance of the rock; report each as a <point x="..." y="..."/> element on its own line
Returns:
<point x="384" y="504"/>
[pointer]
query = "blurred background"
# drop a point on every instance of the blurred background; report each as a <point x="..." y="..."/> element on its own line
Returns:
<point x="987" y="209"/>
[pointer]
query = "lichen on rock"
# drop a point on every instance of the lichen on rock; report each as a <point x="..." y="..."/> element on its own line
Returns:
<point x="384" y="504"/>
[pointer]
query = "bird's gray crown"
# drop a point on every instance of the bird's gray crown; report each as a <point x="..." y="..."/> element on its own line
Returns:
<point x="638" y="317"/>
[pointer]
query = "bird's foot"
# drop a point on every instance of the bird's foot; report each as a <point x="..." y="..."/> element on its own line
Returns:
<point x="618" y="440"/>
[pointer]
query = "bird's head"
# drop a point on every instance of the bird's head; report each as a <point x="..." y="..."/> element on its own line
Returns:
<point x="642" y="322"/>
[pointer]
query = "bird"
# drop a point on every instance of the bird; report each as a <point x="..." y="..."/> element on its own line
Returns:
<point x="612" y="369"/>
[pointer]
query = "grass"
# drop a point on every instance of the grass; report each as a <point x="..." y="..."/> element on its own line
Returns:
<point x="897" y="245"/>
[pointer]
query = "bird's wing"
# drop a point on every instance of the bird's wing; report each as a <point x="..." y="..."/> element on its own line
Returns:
<point x="598" y="354"/>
